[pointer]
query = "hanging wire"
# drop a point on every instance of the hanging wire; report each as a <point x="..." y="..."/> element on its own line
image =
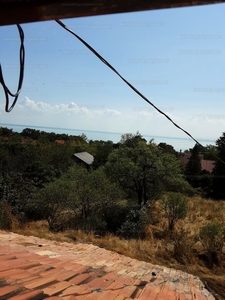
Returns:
<point x="20" y="82"/>
<point x="127" y="82"/>
<point x="132" y="87"/>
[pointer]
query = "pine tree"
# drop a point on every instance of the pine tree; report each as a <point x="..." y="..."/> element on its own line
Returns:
<point x="219" y="170"/>
<point x="193" y="167"/>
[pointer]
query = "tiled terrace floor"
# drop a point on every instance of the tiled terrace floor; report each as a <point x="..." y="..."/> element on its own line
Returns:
<point x="33" y="268"/>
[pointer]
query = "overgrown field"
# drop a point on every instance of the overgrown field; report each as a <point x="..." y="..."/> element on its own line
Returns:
<point x="196" y="245"/>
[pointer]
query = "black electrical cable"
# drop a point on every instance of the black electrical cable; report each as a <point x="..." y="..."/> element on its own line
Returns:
<point x="131" y="86"/>
<point x="128" y="83"/>
<point x="20" y="82"/>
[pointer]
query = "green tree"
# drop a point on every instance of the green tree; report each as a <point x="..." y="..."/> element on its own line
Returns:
<point x="131" y="140"/>
<point x="218" y="186"/>
<point x="143" y="170"/>
<point x="52" y="201"/>
<point x="31" y="133"/>
<point x="210" y="152"/>
<point x="212" y="237"/>
<point x="166" y="148"/>
<point x="102" y="151"/>
<point x="5" y="132"/>
<point x="175" y="207"/>
<point x="193" y="166"/>
<point x="199" y="179"/>
<point x="93" y="198"/>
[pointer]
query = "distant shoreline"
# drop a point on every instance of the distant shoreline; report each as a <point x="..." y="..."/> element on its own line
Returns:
<point x="177" y="142"/>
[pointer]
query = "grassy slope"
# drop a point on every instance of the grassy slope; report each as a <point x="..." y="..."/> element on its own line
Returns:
<point x="183" y="251"/>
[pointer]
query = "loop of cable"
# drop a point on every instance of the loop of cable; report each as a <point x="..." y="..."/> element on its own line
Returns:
<point x="20" y="82"/>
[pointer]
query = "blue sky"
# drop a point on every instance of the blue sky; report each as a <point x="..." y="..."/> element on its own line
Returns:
<point x="175" y="57"/>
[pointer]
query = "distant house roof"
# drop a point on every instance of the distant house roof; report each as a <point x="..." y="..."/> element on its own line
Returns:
<point x="85" y="157"/>
<point x="207" y="165"/>
<point x="184" y="157"/>
<point x="62" y="142"/>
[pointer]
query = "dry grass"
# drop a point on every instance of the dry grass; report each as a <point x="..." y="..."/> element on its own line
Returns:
<point x="181" y="250"/>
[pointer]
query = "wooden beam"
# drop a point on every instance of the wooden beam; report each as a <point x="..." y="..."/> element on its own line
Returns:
<point x="24" y="11"/>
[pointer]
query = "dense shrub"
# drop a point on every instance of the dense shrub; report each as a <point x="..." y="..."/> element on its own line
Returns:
<point x="135" y="223"/>
<point x="175" y="207"/>
<point x="212" y="237"/>
<point x="183" y="243"/>
<point x="5" y="216"/>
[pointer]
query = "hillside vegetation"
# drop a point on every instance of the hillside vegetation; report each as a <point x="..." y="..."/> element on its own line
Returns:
<point x="182" y="249"/>
<point x="136" y="199"/>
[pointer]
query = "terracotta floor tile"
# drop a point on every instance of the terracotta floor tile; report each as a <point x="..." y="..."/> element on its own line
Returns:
<point x="145" y="294"/>
<point x="79" y="297"/>
<point x="115" y="287"/>
<point x="106" y="296"/>
<point x="14" y="262"/>
<point x="56" y="288"/>
<point x="38" y="283"/>
<point x="199" y="297"/>
<point x="100" y="283"/>
<point x="84" y="271"/>
<point x="166" y="290"/>
<point x="9" y="289"/>
<point x="26" y="255"/>
<point x="182" y="297"/>
<point x="27" y="295"/>
<point x="28" y="265"/>
<point x="76" y="290"/>
<point x="28" y="279"/>
<point x="154" y="296"/>
<point x="66" y="275"/>
<point x="119" y="297"/>
<point x="40" y="269"/>
<point x="162" y="296"/>
<point x="128" y="291"/>
<point x="125" y="280"/>
<point x="111" y="276"/>
<point x="92" y="296"/>
<point x="8" y="273"/>
<point x="48" y="260"/>
<point x="54" y="298"/>
<point x="79" y="278"/>
<point x="7" y="257"/>
<point x="71" y="266"/>
<point x="157" y="289"/>
<point x="4" y="267"/>
<point x="52" y="272"/>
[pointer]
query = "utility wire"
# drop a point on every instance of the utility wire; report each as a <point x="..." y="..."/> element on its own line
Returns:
<point x="130" y="85"/>
<point x="127" y="82"/>
<point x="20" y="82"/>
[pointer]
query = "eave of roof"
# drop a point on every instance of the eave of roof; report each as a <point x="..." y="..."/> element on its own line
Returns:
<point x="24" y="11"/>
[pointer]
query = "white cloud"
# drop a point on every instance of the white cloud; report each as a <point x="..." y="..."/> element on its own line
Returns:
<point x="112" y="112"/>
<point x="100" y="118"/>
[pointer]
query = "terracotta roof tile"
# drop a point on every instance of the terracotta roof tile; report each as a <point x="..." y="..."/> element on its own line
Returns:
<point x="56" y="288"/>
<point x="34" y="268"/>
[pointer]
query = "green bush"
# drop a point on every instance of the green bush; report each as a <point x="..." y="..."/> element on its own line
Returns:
<point x="212" y="237"/>
<point x="175" y="207"/>
<point x="133" y="227"/>
<point x="114" y="215"/>
<point x="183" y="242"/>
<point x="5" y="216"/>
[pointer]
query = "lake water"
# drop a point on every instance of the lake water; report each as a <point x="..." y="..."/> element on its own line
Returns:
<point x="177" y="143"/>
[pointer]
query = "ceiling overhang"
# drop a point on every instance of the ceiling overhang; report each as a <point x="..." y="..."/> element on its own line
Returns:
<point x="25" y="11"/>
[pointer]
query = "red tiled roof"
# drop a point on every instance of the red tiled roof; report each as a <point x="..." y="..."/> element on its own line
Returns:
<point x="32" y="268"/>
<point x="207" y="165"/>
<point x="61" y="142"/>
